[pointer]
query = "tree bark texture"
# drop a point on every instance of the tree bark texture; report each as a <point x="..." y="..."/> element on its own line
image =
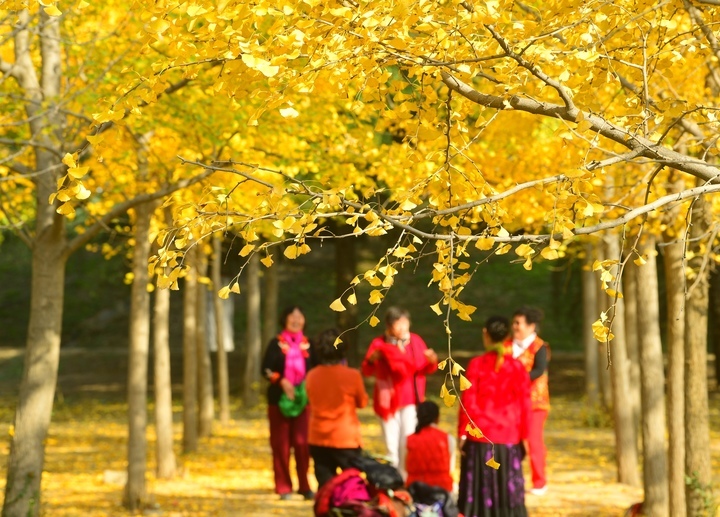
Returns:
<point x="590" y="314"/>
<point x="190" y="389"/>
<point x="603" y="301"/>
<point x="42" y="354"/>
<point x="625" y="437"/>
<point x="206" y="401"/>
<point x="166" y="462"/>
<point x="697" y="427"/>
<point x="253" y="344"/>
<point x="655" y="476"/>
<point x="675" y="295"/>
<point x="135" y="491"/>
<point x="222" y="367"/>
<point x="37" y="388"/>
<point x="631" y="338"/>
<point x="715" y="317"/>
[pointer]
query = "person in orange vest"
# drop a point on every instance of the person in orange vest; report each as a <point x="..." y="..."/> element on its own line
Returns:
<point x="430" y="451"/>
<point x="534" y="354"/>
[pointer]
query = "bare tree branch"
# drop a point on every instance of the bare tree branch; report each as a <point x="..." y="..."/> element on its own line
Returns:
<point x="119" y="209"/>
<point x="644" y="147"/>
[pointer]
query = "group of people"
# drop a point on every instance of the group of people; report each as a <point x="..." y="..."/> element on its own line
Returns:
<point x="313" y="397"/>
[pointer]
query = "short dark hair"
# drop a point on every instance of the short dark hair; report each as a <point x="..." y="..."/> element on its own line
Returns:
<point x="325" y="350"/>
<point x="395" y="313"/>
<point x="427" y="413"/>
<point x="498" y="328"/>
<point x="287" y="311"/>
<point x="532" y="315"/>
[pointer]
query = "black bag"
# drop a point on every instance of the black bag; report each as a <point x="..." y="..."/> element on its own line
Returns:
<point x="429" y="495"/>
<point x="382" y="476"/>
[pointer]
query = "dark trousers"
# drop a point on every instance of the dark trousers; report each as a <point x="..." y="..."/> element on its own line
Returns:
<point x="284" y="434"/>
<point x="328" y="459"/>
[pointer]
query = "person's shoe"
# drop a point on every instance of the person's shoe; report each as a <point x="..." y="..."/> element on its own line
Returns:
<point x="285" y="497"/>
<point x="539" y="491"/>
<point x="308" y="496"/>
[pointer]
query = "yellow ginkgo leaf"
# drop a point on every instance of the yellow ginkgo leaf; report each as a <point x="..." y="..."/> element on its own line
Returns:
<point x="436" y="309"/>
<point x="291" y="252"/>
<point x="267" y="261"/>
<point x="375" y="297"/>
<point x="374" y="321"/>
<point x="337" y="342"/>
<point x="52" y="10"/>
<point x="484" y="243"/>
<point x="65" y="209"/>
<point x="69" y="160"/>
<point x="78" y="172"/>
<point x="337" y="305"/>
<point x="464" y="383"/>
<point x="456" y="368"/>
<point x="352" y="299"/>
<point x="246" y="250"/>
<point x="473" y="431"/>
<point x="442" y="364"/>
<point x="640" y="261"/>
<point x="224" y="293"/>
<point x="235" y="288"/>
<point x="492" y="463"/>
<point x="449" y="399"/>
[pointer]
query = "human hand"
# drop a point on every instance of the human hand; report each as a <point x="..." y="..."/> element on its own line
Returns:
<point x="374" y="356"/>
<point x="288" y="388"/>
<point x="431" y="356"/>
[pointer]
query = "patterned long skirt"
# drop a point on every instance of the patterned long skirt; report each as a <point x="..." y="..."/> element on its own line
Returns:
<point x="486" y="492"/>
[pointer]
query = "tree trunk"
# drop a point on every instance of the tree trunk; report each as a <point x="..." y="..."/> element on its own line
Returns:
<point x="631" y="338"/>
<point x="697" y="427"/>
<point x="206" y="402"/>
<point x="190" y="390"/>
<point x="603" y="371"/>
<point x="715" y="307"/>
<point x="270" y="301"/>
<point x="223" y="385"/>
<point x="135" y="492"/>
<point x="253" y="344"/>
<point x="625" y="437"/>
<point x="42" y="356"/>
<point x="590" y="314"/>
<point x="675" y="288"/>
<point x="344" y="273"/>
<point x="49" y="255"/>
<point x="652" y="376"/>
<point x="166" y="463"/>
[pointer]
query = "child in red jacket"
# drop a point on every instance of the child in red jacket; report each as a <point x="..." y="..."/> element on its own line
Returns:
<point x="430" y="451"/>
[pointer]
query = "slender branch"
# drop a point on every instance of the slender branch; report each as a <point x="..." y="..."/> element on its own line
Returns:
<point x="119" y="209"/>
<point x="643" y="146"/>
<point x="536" y="71"/>
<point x="491" y="199"/>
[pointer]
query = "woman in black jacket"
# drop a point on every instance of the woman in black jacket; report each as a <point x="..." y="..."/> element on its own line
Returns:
<point x="286" y="363"/>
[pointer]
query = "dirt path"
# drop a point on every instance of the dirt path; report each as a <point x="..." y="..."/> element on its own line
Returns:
<point x="231" y="475"/>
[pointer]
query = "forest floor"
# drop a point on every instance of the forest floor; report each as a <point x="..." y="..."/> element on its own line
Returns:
<point x="231" y="473"/>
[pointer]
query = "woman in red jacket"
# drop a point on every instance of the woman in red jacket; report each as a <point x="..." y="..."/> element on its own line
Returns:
<point x="498" y="405"/>
<point x="399" y="360"/>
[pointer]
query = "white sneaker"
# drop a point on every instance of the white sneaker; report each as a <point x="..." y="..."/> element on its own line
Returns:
<point x="539" y="491"/>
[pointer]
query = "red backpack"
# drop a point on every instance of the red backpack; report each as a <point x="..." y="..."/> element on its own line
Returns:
<point x="348" y="486"/>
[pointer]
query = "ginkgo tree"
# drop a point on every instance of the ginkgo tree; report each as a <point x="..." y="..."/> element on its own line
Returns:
<point x="56" y="67"/>
<point x="624" y="81"/>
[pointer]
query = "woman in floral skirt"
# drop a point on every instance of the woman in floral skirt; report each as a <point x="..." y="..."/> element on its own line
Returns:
<point x="493" y="423"/>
